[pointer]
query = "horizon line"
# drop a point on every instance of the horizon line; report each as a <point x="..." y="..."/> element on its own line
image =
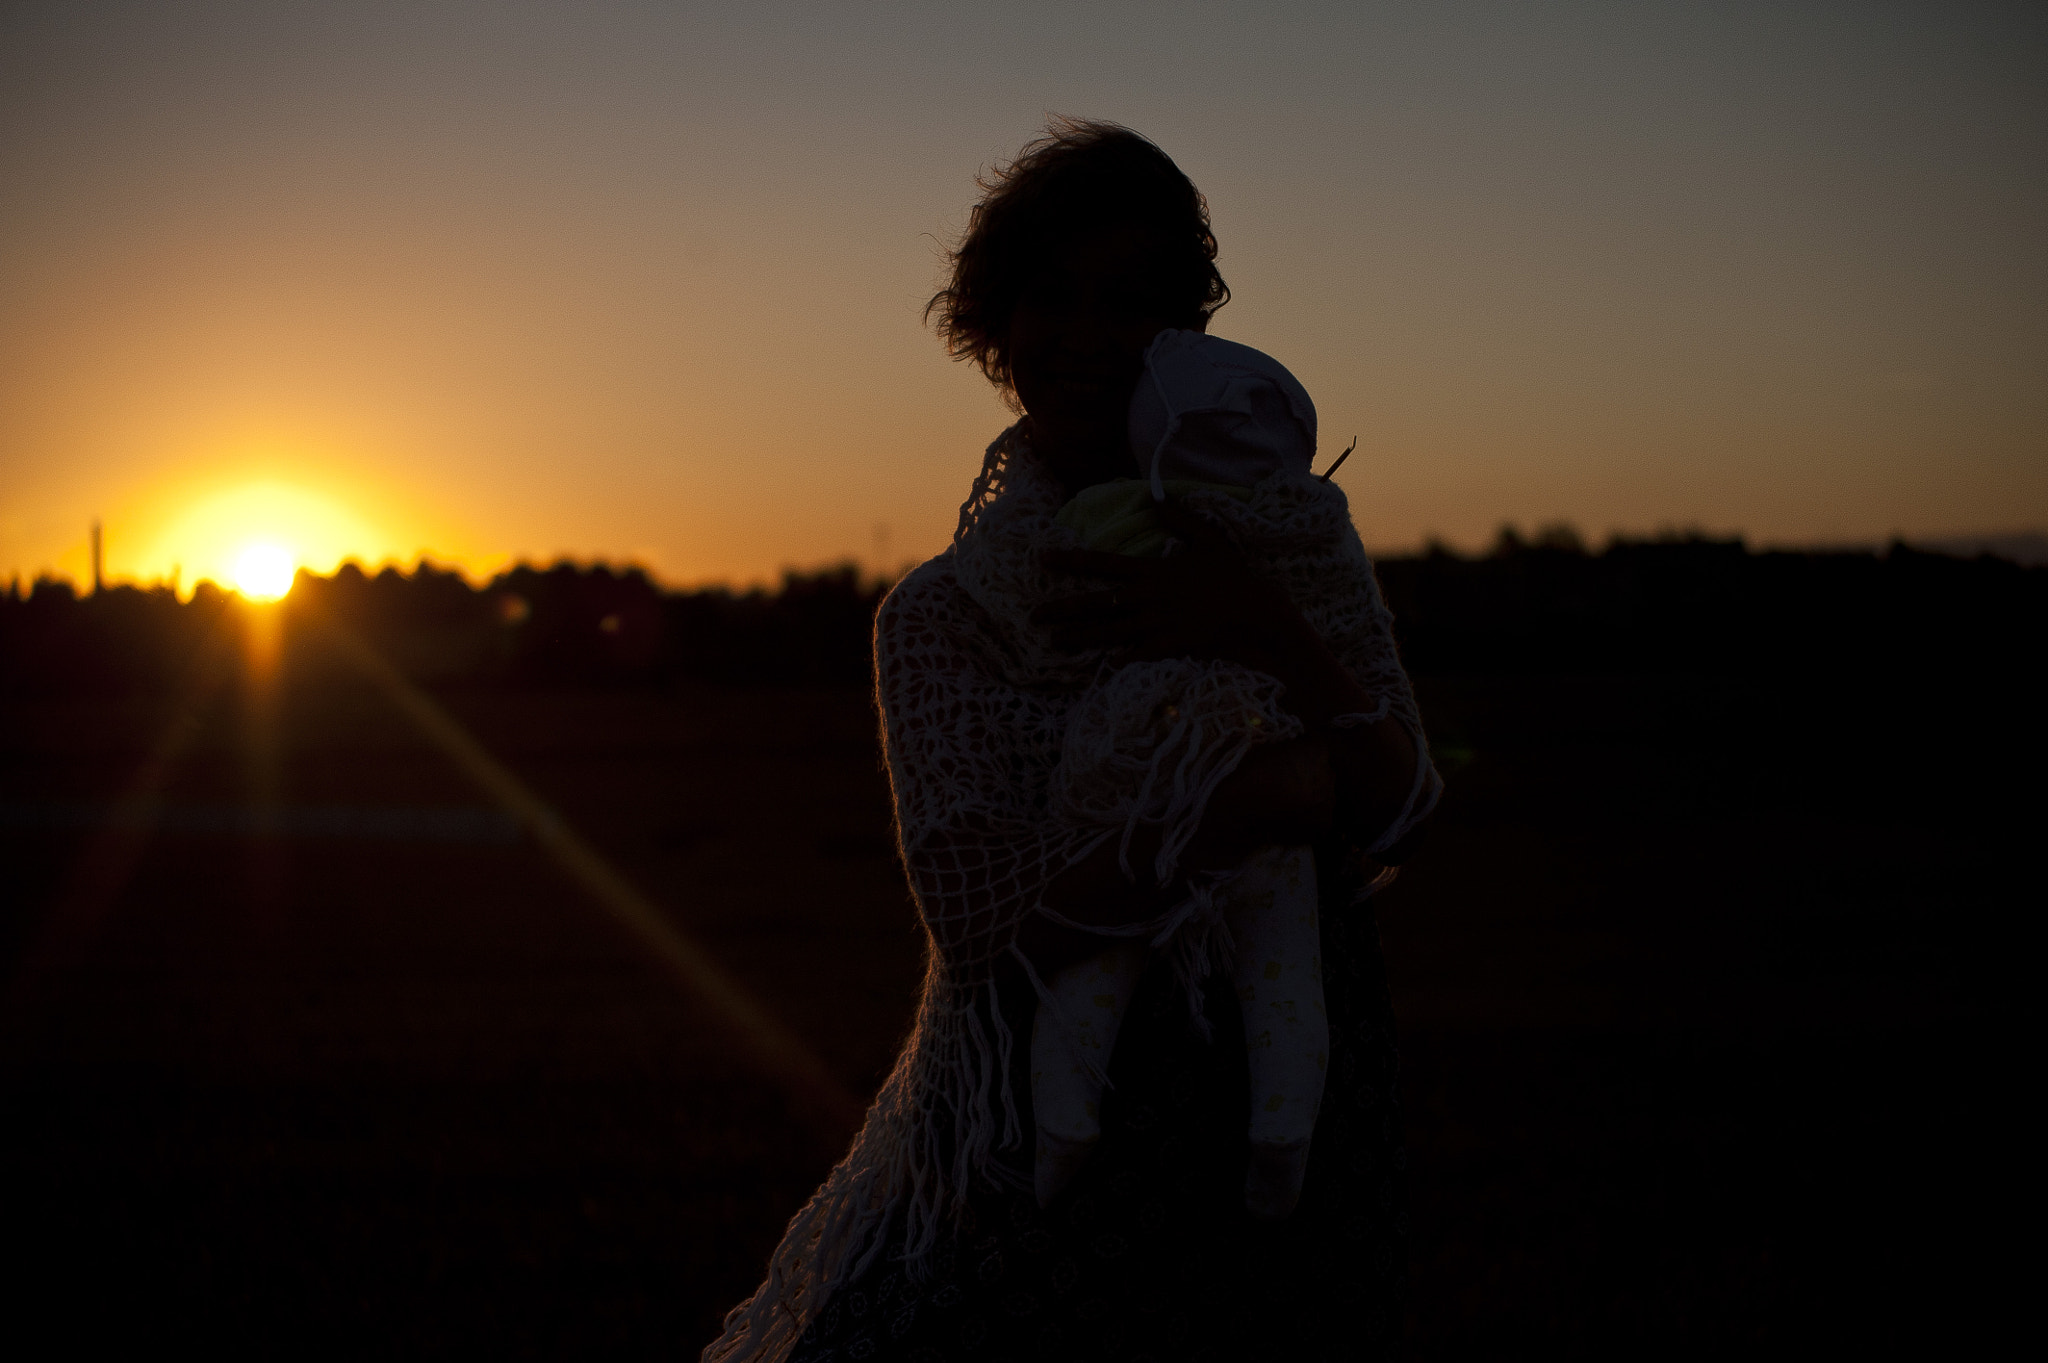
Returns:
<point x="2027" y="547"/>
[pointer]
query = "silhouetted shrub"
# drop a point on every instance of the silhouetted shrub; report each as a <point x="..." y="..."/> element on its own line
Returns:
<point x="120" y="639"/>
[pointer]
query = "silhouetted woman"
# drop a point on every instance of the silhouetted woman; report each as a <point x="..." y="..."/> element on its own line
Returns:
<point x="926" y="1242"/>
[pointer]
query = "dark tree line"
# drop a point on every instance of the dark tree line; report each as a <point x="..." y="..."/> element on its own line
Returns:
<point x="1712" y="606"/>
<point x="1694" y="606"/>
<point x="564" y="625"/>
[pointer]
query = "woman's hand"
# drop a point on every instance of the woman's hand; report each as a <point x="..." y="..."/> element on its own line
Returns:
<point x="1282" y="793"/>
<point x="1202" y="601"/>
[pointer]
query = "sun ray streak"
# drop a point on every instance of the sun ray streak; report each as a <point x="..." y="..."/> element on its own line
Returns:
<point x="265" y="859"/>
<point x="778" y="1051"/>
<point x="102" y="872"/>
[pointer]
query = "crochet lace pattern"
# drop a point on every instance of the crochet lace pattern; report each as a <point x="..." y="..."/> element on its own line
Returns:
<point x="976" y="711"/>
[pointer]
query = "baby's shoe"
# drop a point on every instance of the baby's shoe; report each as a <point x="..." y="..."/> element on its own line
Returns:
<point x="1272" y="1179"/>
<point x="1059" y="1158"/>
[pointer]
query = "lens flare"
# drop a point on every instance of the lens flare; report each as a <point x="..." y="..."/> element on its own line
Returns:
<point x="264" y="571"/>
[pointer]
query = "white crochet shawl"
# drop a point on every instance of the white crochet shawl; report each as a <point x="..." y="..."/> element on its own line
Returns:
<point x="976" y="708"/>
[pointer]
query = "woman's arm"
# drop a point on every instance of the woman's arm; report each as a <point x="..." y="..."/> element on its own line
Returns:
<point x="1372" y="765"/>
<point x="1204" y="601"/>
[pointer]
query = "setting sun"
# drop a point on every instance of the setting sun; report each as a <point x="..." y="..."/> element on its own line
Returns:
<point x="255" y="536"/>
<point x="264" y="572"/>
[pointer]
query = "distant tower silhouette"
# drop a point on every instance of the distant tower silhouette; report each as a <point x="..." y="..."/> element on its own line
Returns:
<point x="98" y="561"/>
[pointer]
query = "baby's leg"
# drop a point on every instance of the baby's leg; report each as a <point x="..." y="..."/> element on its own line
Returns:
<point x="1066" y="1093"/>
<point x="1271" y="911"/>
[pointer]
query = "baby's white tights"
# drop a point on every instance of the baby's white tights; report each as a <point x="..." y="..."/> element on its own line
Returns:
<point x="1270" y="909"/>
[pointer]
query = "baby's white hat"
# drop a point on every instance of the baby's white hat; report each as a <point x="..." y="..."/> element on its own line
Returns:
<point x="1219" y="412"/>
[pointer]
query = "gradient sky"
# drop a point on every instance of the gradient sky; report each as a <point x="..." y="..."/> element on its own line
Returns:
<point x="644" y="281"/>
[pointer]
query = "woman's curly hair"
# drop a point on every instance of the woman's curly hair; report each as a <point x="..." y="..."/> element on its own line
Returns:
<point x="1080" y="174"/>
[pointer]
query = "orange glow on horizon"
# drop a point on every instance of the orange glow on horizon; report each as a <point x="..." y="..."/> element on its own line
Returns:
<point x="254" y="536"/>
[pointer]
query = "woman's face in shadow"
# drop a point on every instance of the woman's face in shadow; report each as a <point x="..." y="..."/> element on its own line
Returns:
<point x="1077" y="343"/>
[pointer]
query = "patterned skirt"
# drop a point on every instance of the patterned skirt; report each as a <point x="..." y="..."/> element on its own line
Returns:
<point x="1149" y="1253"/>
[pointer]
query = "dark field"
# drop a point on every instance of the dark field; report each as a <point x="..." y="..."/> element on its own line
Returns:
<point x="1711" y="985"/>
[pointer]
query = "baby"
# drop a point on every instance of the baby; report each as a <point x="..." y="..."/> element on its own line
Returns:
<point x="1207" y="416"/>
